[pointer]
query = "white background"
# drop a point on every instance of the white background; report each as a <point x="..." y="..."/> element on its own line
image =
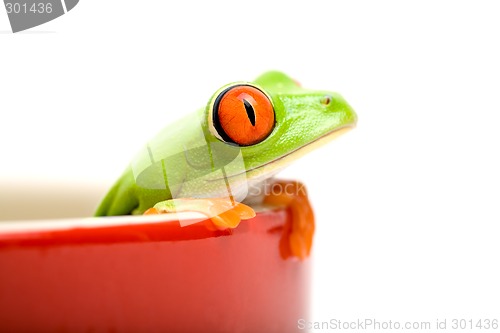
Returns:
<point x="407" y="204"/>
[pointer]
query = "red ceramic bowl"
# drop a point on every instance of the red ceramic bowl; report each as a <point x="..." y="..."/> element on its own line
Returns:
<point x="141" y="274"/>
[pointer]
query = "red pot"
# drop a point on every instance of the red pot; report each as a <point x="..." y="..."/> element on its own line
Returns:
<point x="141" y="274"/>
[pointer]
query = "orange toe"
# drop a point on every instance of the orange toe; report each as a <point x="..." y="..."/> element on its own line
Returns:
<point x="228" y="219"/>
<point x="245" y="212"/>
<point x="151" y="211"/>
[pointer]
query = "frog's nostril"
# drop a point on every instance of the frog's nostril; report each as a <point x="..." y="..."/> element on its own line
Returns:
<point x="325" y="100"/>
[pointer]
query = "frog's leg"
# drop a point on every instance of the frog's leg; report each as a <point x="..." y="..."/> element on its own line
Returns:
<point x="299" y="230"/>
<point x="223" y="213"/>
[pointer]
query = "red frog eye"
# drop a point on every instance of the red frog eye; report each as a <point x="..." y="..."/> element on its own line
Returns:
<point x="243" y="114"/>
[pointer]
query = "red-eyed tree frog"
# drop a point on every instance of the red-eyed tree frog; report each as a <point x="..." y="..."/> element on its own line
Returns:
<point x="221" y="160"/>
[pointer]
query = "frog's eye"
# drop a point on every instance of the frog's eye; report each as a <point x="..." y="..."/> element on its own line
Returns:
<point x="242" y="114"/>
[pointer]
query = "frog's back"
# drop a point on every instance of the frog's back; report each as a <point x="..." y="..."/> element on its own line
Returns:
<point x="154" y="170"/>
<point x="125" y="197"/>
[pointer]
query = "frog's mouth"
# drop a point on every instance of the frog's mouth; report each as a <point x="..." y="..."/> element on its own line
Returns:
<point x="272" y="167"/>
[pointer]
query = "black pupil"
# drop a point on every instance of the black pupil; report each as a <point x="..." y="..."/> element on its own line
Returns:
<point x="250" y="111"/>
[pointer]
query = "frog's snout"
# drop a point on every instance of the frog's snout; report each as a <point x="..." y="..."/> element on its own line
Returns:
<point x="337" y="104"/>
<point x="352" y="118"/>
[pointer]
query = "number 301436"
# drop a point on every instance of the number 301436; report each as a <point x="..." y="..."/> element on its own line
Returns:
<point x="24" y="8"/>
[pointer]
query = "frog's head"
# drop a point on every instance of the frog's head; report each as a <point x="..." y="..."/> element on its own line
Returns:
<point x="273" y="120"/>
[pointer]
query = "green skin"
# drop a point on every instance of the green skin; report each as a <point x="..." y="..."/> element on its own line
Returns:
<point x="186" y="159"/>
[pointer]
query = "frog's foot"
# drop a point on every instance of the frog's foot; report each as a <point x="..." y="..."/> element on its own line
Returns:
<point x="298" y="233"/>
<point x="223" y="213"/>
